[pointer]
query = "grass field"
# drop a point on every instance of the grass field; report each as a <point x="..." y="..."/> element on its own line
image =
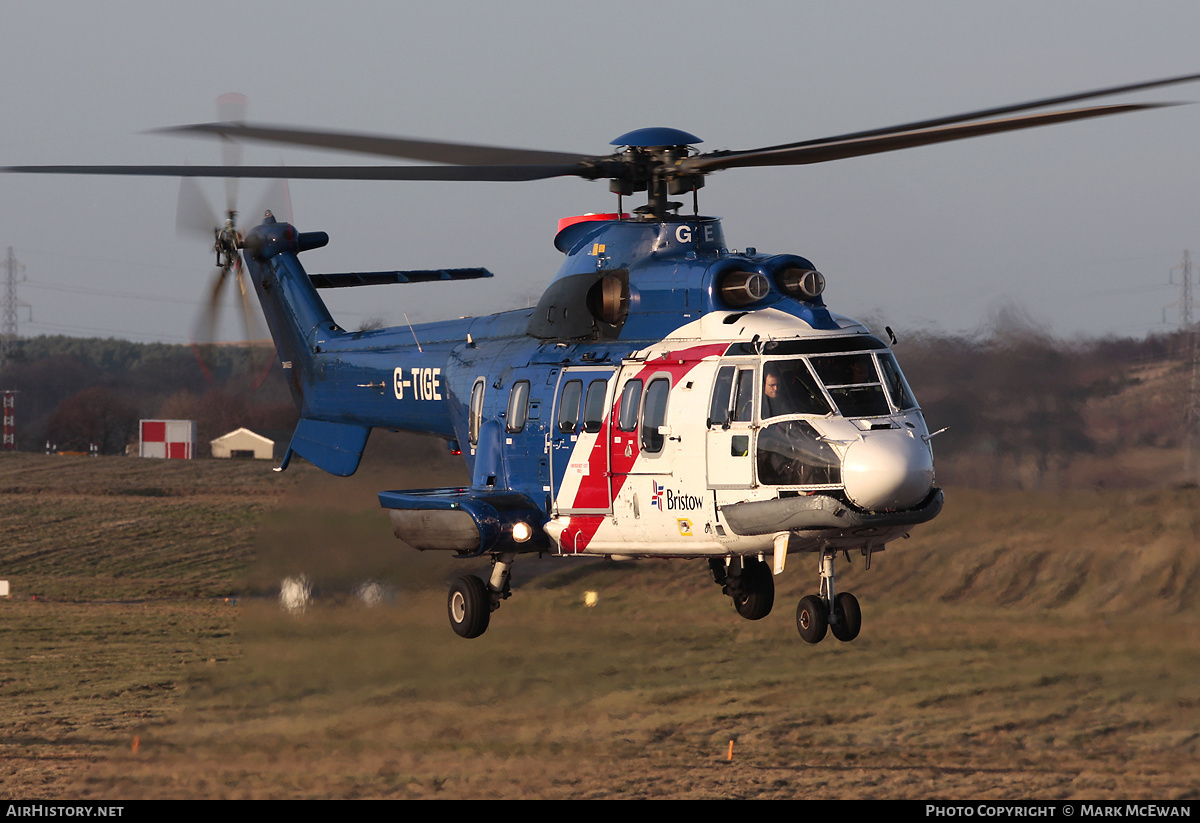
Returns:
<point x="1021" y="646"/>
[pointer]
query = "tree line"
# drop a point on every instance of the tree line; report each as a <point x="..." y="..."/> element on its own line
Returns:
<point x="75" y="393"/>
<point x="1018" y="405"/>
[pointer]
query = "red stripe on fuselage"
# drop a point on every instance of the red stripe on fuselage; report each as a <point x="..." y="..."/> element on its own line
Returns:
<point x="593" y="489"/>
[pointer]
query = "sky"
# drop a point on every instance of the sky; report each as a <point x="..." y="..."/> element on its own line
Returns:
<point x="1078" y="224"/>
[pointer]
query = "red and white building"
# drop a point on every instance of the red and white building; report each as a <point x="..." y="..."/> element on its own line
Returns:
<point x="172" y="439"/>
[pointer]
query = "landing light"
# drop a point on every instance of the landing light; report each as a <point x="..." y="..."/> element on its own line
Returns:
<point x="521" y="532"/>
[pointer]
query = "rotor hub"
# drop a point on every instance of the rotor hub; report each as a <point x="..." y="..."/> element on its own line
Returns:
<point x="649" y="161"/>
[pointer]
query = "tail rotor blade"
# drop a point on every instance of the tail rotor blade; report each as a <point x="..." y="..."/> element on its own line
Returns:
<point x="194" y="215"/>
<point x="206" y="325"/>
<point x="231" y="108"/>
<point x="278" y="199"/>
<point x="245" y="298"/>
<point x="258" y="362"/>
<point x="232" y="155"/>
<point x="204" y="331"/>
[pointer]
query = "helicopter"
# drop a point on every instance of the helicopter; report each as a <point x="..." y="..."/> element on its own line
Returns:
<point x="667" y="396"/>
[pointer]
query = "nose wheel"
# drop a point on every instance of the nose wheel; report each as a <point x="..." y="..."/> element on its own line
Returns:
<point x="812" y="618"/>
<point x="839" y="613"/>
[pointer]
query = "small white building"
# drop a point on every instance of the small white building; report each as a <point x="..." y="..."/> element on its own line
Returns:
<point x="243" y="443"/>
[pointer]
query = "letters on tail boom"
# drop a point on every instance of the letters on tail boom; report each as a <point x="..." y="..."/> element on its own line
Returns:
<point x="320" y="359"/>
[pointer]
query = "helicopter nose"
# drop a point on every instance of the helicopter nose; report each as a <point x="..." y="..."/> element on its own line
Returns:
<point x="888" y="470"/>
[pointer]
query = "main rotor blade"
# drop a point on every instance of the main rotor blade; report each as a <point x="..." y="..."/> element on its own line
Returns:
<point x="858" y="147"/>
<point x="434" y="151"/>
<point x="993" y="112"/>
<point x="460" y="173"/>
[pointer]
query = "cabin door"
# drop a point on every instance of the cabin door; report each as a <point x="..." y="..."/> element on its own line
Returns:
<point x="730" y="460"/>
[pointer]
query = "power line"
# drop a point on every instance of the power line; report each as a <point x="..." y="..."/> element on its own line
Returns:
<point x="72" y="330"/>
<point x="123" y="295"/>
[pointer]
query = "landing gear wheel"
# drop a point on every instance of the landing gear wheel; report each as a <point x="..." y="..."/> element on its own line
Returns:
<point x="811" y="619"/>
<point x="847" y="617"/>
<point x="469" y="606"/>
<point x="758" y="591"/>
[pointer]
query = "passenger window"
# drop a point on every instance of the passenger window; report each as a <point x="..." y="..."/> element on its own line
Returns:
<point x="631" y="395"/>
<point x="518" y="406"/>
<point x="654" y="414"/>
<point x="476" y="415"/>
<point x="568" y="406"/>
<point x="593" y="406"/>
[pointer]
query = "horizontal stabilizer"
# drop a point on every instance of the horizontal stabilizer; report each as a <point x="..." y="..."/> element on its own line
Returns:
<point x="335" y="447"/>
<point x="379" y="278"/>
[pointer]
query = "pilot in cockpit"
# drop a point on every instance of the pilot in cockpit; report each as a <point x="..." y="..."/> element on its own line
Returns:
<point x="788" y="388"/>
<point x="774" y="402"/>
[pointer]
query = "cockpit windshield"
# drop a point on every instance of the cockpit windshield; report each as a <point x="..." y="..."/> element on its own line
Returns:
<point x="860" y="384"/>
<point x="853" y="383"/>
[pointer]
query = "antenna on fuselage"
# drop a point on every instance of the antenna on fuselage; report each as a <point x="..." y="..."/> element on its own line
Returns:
<point x="414" y="333"/>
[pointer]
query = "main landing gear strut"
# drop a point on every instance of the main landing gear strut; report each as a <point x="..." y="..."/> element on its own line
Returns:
<point x="472" y="601"/>
<point x="837" y="612"/>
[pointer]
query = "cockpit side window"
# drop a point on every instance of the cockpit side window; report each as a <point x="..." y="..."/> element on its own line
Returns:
<point x="790" y="388"/>
<point x="897" y="386"/>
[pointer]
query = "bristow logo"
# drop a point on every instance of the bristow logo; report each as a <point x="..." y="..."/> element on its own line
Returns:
<point x="668" y="500"/>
